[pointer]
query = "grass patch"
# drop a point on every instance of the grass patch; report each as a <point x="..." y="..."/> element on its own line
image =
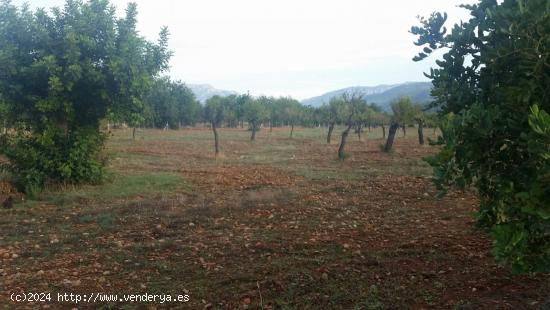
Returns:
<point x="120" y="187"/>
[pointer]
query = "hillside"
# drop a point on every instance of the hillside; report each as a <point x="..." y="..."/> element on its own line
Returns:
<point x="204" y="92"/>
<point x="382" y="95"/>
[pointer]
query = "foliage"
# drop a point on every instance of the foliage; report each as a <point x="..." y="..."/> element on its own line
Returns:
<point x="255" y="111"/>
<point x="293" y="112"/>
<point x="214" y="110"/>
<point x="52" y="156"/>
<point x="492" y="84"/>
<point x="61" y="74"/>
<point x="333" y="112"/>
<point x="233" y="110"/>
<point x="403" y="111"/>
<point x="353" y="108"/>
<point x="172" y="103"/>
<point x="354" y="111"/>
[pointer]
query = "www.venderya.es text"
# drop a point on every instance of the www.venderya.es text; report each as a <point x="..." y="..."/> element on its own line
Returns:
<point x="98" y="298"/>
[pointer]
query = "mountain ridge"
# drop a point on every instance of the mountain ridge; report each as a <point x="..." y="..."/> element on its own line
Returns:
<point x="204" y="92"/>
<point x="383" y="94"/>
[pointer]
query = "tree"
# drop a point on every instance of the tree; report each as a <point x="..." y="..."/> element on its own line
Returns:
<point x="381" y="119"/>
<point x="62" y="74"/>
<point x="232" y="111"/>
<point x="255" y="113"/>
<point x="364" y="116"/>
<point x="173" y="104"/>
<point x="420" y="118"/>
<point x="353" y="107"/>
<point x="273" y="107"/>
<point x="403" y="113"/>
<point x="309" y="116"/>
<point x="293" y="113"/>
<point x="496" y="128"/>
<point x="332" y="114"/>
<point x="374" y="118"/>
<point x="134" y="88"/>
<point x="214" y="113"/>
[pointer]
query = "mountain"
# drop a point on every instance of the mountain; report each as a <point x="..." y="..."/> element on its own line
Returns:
<point x="204" y="92"/>
<point x="367" y="90"/>
<point x="383" y="95"/>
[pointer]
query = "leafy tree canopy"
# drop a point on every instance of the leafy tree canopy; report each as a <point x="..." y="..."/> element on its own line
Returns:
<point x="60" y="74"/>
<point x="172" y="103"/>
<point x="403" y="111"/>
<point x="492" y="87"/>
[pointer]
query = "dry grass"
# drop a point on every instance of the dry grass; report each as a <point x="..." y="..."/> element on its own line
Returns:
<point x="280" y="214"/>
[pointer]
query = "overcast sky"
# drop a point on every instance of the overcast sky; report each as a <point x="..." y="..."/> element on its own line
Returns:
<point x="301" y="48"/>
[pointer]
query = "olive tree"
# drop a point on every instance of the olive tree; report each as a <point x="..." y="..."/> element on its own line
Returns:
<point x="214" y="113"/>
<point x="403" y="113"/>
<point x="172" y="104"/>
<point x="381" y="119"/>
<point x="293" y="113"/>
<point x="420" y="117"/>
<point x="354" y="106"/>
<point x="255" y="112"/>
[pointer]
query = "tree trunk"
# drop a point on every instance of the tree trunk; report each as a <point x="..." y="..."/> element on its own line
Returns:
<point x="134" y="134"/>
<point x="404" y="130"/>
<point x="216" y="140"/>
<point x="383" y="132"/>
<point x="391" y="136"/>
<point x="291" y="130"/>
<point x="359" y="132"/>
<point x="421" y="132"/>
<point x="253" y="137"/>
<point x="330" y="129"/>
<point x="341" y="154"/>
<point x="270" y="126"/>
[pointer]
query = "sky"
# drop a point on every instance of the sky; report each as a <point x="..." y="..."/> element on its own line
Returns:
<point x="298" y="48"/>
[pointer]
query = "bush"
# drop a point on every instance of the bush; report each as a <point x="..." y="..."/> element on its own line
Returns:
<point x="53" y="156"/>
